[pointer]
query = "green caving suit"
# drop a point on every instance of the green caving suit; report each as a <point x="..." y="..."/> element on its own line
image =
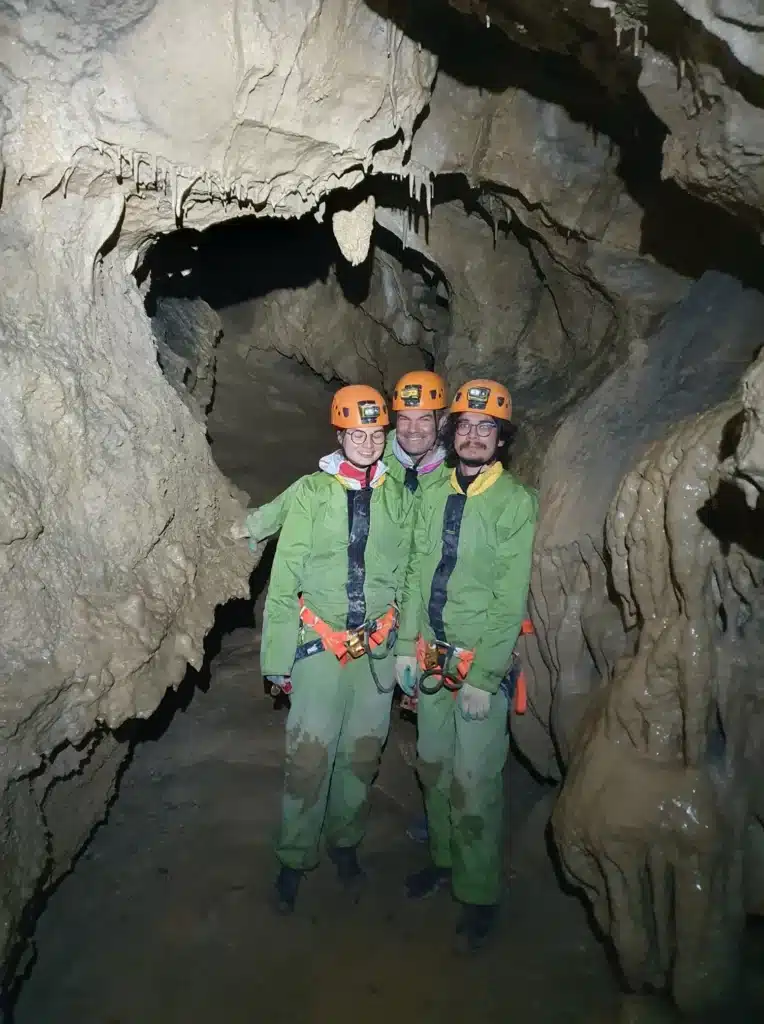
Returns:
<point x="467" y="584"/>
<point x="346" y="552"/>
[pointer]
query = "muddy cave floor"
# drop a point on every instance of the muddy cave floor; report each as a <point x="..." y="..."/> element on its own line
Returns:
<point x="165" y="917"/>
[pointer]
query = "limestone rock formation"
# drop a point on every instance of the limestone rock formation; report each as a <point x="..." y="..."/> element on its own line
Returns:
<point x="119" y="123"/>
<point x="375" y="338"/>
<point x="644" y="629"/>
<point x="352" y="229"/>
<point x="186" y="333"/>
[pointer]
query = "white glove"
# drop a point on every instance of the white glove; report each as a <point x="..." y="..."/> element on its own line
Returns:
<point x="281" y="684"/>
<point x="473" y="703"/>
<point x="406" y="672"/>
<point x="238" y="532"/>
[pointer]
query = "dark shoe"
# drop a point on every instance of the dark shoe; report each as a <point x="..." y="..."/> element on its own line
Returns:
<point x="349" y="871"/>
<point x="418" y="830"/>
<point x="476" y="926"/>
<point x="427" y="882"/>
<point x="287" y="884"/>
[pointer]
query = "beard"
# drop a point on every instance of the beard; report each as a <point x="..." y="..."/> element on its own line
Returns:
<point x="473" y="461"/>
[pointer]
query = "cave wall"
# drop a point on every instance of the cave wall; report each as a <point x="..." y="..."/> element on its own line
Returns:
<point x="372" y="329"/>
<point x="113" y="553"/>
<point x="119" y="123"/>
<point x="187" y="332"/>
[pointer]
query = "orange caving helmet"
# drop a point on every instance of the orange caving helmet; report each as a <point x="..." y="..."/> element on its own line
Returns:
<point x="486" y="396"/>
<point x="419" y="389"/>
<point x="358" y="405"/>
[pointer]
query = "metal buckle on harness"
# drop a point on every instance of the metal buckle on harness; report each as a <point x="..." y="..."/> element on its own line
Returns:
<point x="354" y="644"/>
<point x="432" y="657"/>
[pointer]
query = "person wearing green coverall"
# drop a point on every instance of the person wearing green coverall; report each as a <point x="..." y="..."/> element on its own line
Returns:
<point x="339" y="567"/>
<point x="412" y="454"/>
<point x="466" y="586"/>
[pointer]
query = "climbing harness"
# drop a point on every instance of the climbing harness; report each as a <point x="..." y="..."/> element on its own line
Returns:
<point x="435" y="661"/>
<point x="350" y="644"/>
<point x="447" y="666"/>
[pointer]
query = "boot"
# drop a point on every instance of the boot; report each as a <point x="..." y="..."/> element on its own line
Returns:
<point x="349" y="871"/>
<point x="418" y="830"/>
<point x="287" y="884"/>
<point x="477" y="924"/>
<point x="427" y="882"/>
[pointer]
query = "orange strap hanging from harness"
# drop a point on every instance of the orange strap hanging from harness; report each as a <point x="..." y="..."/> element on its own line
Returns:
<point x="521" y="687"/>
<point x="427" y="655"/>
<point x="350" y="643"/>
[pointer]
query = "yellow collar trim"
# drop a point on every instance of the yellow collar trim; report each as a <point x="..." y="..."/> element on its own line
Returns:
<point x="481" y="482"/>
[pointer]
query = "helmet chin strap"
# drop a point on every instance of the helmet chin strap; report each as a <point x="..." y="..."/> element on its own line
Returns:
<point x="476" y="463"/>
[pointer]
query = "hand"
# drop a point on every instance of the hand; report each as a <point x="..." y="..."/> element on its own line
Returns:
<point x="238" y="532"/>
<point x="473" y="703"/>
<point x="281" y="684"/>
<point x="406" y="673"/>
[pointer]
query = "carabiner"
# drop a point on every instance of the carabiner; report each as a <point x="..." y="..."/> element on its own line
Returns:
<point x="372" y="659"/>
<point x="428" y="691"/>
<point x="445" y="678"/>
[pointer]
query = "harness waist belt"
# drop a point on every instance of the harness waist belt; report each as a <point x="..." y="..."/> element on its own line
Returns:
<point x="436" y="659"/>
<point x="439" y="654"/>
<point x="347" y="643"/>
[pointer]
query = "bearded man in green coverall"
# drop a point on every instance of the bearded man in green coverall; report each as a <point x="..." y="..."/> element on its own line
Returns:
<point x="463" y="606"/>
<point x="328" y="626"/>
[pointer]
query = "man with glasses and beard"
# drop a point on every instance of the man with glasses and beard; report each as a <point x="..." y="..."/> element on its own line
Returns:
<point x="462" y="610"/>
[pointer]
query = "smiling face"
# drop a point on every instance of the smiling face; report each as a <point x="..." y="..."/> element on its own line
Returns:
<point x="362" y="446"/>
<point x="416" y="431"/>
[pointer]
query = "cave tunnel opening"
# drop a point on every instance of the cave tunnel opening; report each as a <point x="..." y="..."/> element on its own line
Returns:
<point x="269" y="318"/>
<point x="257" y="323"/>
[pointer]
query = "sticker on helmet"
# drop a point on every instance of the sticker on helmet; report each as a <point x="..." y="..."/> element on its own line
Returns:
<point x="411" y="395"/>
<point x="477" y="398"/>
<point x="368" y="412"/>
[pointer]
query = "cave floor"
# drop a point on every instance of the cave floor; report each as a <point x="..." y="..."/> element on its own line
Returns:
<point x="165" y="917"/>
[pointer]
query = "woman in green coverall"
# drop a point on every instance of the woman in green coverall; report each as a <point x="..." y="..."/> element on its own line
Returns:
<point x="336" y="576"/>
<point x="465" y="599"/>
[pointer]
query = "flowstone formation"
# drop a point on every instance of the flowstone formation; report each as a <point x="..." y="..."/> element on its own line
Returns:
<point x="644" y="690"/>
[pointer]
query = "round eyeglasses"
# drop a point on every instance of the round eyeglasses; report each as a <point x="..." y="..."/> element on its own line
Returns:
<point x="360" y="436"/>
<point x="483" y="429"/>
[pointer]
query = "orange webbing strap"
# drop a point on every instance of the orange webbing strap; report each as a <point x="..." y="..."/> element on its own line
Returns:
<point x="521" y="686"/>
<point x="421" y="652"/>
<point x="464" y="659"/>
<point x="521" y="695"/>
<point x="335" y="640"/>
